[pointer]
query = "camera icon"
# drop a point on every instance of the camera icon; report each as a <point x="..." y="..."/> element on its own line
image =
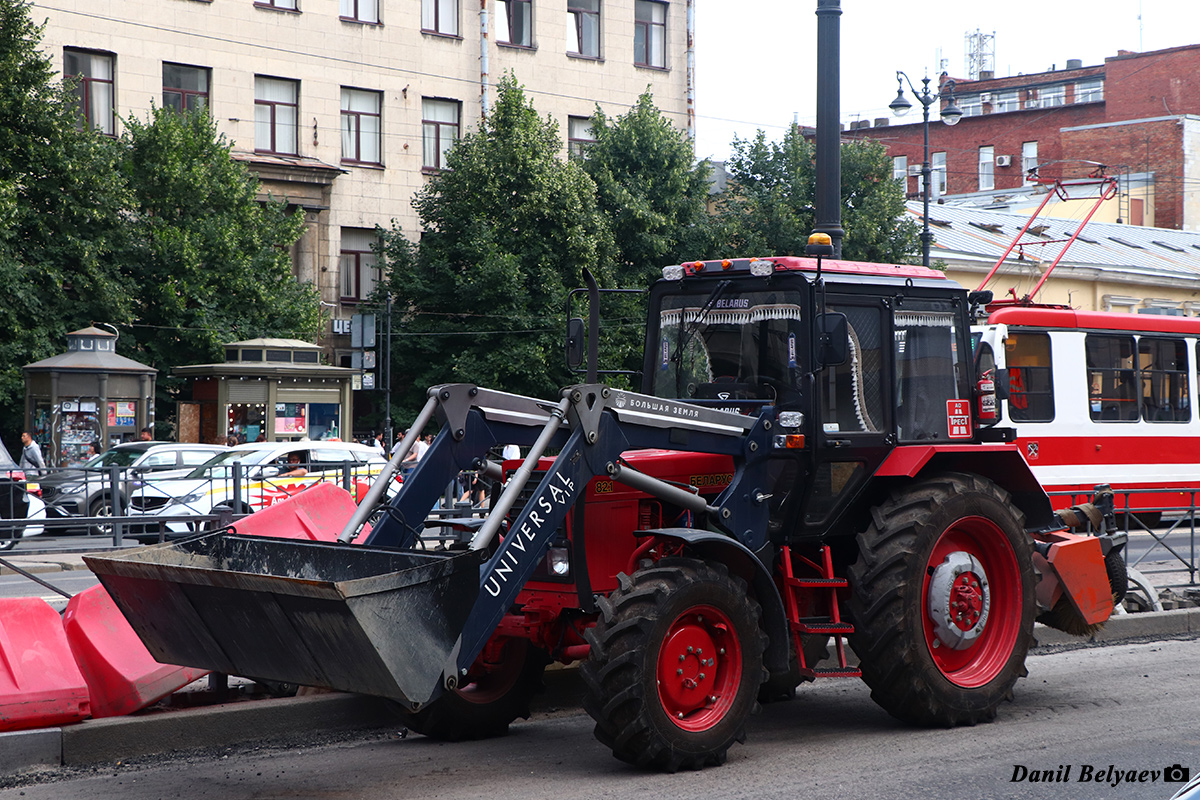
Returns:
<point x="1176" y="773"/>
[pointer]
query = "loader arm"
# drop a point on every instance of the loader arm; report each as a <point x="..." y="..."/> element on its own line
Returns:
<point x="592" y="426"/>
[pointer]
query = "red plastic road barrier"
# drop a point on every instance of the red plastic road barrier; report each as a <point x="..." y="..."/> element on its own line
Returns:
<point x="318" y="513"/>
<point x="40" y="685"/>
<point x="121" y="674"/>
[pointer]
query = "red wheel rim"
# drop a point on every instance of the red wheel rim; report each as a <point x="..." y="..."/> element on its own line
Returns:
<point x="489" y="685"/>
<point x="699" y="668"/>
<point x="985" y="657"/>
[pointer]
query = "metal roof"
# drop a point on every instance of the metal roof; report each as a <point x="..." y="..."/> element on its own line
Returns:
<point x="966" y="235"/>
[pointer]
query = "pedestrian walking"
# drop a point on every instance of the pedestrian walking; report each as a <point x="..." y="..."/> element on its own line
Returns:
<point x="31" y="455"/>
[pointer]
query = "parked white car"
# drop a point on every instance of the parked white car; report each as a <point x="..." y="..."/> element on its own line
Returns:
<point x="271" y="471"/>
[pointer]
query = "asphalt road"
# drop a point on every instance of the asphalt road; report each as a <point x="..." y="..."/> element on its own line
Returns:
<point x="1125" y="706"/>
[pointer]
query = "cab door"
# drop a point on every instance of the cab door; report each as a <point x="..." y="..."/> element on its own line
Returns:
<point x="854" y="423"/>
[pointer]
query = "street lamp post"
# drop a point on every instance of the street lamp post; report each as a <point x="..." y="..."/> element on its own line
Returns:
<point x="951" y="114"/>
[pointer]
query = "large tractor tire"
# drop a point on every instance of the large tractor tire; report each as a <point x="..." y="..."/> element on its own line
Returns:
<point x="484" y="707"/>
<point x="675" y="665"/>
<point x="942" y="601"/>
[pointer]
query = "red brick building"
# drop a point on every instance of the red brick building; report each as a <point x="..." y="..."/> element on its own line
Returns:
<point x="1138" y="115"/>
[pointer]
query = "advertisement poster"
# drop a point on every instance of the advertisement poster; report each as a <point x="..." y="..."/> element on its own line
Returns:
<point x="290" y="418"/>
<point x="122" y="414"/>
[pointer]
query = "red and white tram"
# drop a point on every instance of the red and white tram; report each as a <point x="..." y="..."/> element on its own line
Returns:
<point x="1099" y="398"/>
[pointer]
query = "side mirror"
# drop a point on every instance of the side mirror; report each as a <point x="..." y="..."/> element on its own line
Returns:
<point x="833" y="339"/>
<point x="268" y="472"/>
<point x="574" y="342"/>
<point x="1002" y="384"/>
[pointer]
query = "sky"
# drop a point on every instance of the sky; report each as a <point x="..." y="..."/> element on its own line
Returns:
<point x="756" y="59"/>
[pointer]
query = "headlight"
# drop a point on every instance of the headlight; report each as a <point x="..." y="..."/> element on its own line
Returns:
<point x="558" y="561"/>
<point x="791" y="419"/>
<point x="72" y="488"/>
<point x="191" y="498"/>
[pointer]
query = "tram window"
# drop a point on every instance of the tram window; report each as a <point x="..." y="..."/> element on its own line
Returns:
<point x="1112" y="378"/>
<point x="1030" y="382"/>
<point x="1164" y="380"/>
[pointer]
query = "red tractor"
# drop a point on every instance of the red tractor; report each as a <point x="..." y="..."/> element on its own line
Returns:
<point x="805" y="465"/>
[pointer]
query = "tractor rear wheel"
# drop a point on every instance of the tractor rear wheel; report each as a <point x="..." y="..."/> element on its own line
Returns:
<point x="675" y="665"/>
<point x="484" y="707"/>
<point x="942" y="601"/>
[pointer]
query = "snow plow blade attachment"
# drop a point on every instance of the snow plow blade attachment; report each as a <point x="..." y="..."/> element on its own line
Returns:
<point x="359" y="619"/>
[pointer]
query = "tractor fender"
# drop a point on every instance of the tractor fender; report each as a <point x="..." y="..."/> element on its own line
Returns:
<point x="1002" y="464"/>
<point x="748" y="566"/>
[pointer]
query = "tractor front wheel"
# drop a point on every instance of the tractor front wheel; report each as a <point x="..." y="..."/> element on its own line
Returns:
<point x="942" y="601"/>
<point x="675" y="665"/>
<point x="495" y="694"/>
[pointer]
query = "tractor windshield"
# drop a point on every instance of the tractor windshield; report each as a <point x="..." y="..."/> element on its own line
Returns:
<point x="729" y="344"/>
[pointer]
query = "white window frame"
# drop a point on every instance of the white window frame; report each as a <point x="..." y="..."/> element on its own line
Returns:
<point x="1029" y="159"/>
<point x="579" y="135"/>
<point x="1009" y="100"/>
<point x="1089" y="91"/>
<point x="900" y="171"/>
<point x="987" y="168"/>
<point x="1052" y="96"/>
<point x="937" y="174"/>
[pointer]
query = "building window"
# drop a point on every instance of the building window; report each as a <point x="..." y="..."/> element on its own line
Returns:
<point x="361" y="126"/>
<point x="583" y="28"/>
<point x="359" y="11"/>
<point x="94" y="89"/>
<point x="900" y="171"/>
<point x="283" y="5"/>
<point x="276" y="108"/>
<point x="1006" y="101"/>
<point x="938" y="174"/>
<point x="185" y="88"/>
<point x="439" y="119"/>
<point x="971" y="105"/>
<point x="649" y="33"/>
<point x="514" y="23"/>
<point x="1089" y="91"/>
<point x="358" y="268"/>
<point x="579" y="135"/>
<point x="440" y="16"/>
<point x="987" y="168"/>
<point x="1051" y="96"/>
<point x="1029" y="160"/>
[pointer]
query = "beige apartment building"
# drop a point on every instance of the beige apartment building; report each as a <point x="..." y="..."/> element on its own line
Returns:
<point x="344" y="107"/>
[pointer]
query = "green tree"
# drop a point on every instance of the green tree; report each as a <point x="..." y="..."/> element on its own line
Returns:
<point x="210" y="261"/>
<point x="768" y="209"/>
<point x="651" y="189"/>
<point x="506" y="230"/>
<point x="61" y="198"/>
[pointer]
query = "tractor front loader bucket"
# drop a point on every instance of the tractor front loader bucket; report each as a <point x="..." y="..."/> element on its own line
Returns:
<point x="353" y="618"/>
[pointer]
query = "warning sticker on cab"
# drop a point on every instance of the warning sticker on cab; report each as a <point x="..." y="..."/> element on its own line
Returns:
<point x="958" y="419"/>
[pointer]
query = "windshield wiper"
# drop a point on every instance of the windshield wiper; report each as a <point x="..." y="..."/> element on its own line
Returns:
<point x="687" y="331"/>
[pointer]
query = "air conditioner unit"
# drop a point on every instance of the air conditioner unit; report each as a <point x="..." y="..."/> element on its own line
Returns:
<point x="985" y="97"/>
<point x="1003" y="161"/>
